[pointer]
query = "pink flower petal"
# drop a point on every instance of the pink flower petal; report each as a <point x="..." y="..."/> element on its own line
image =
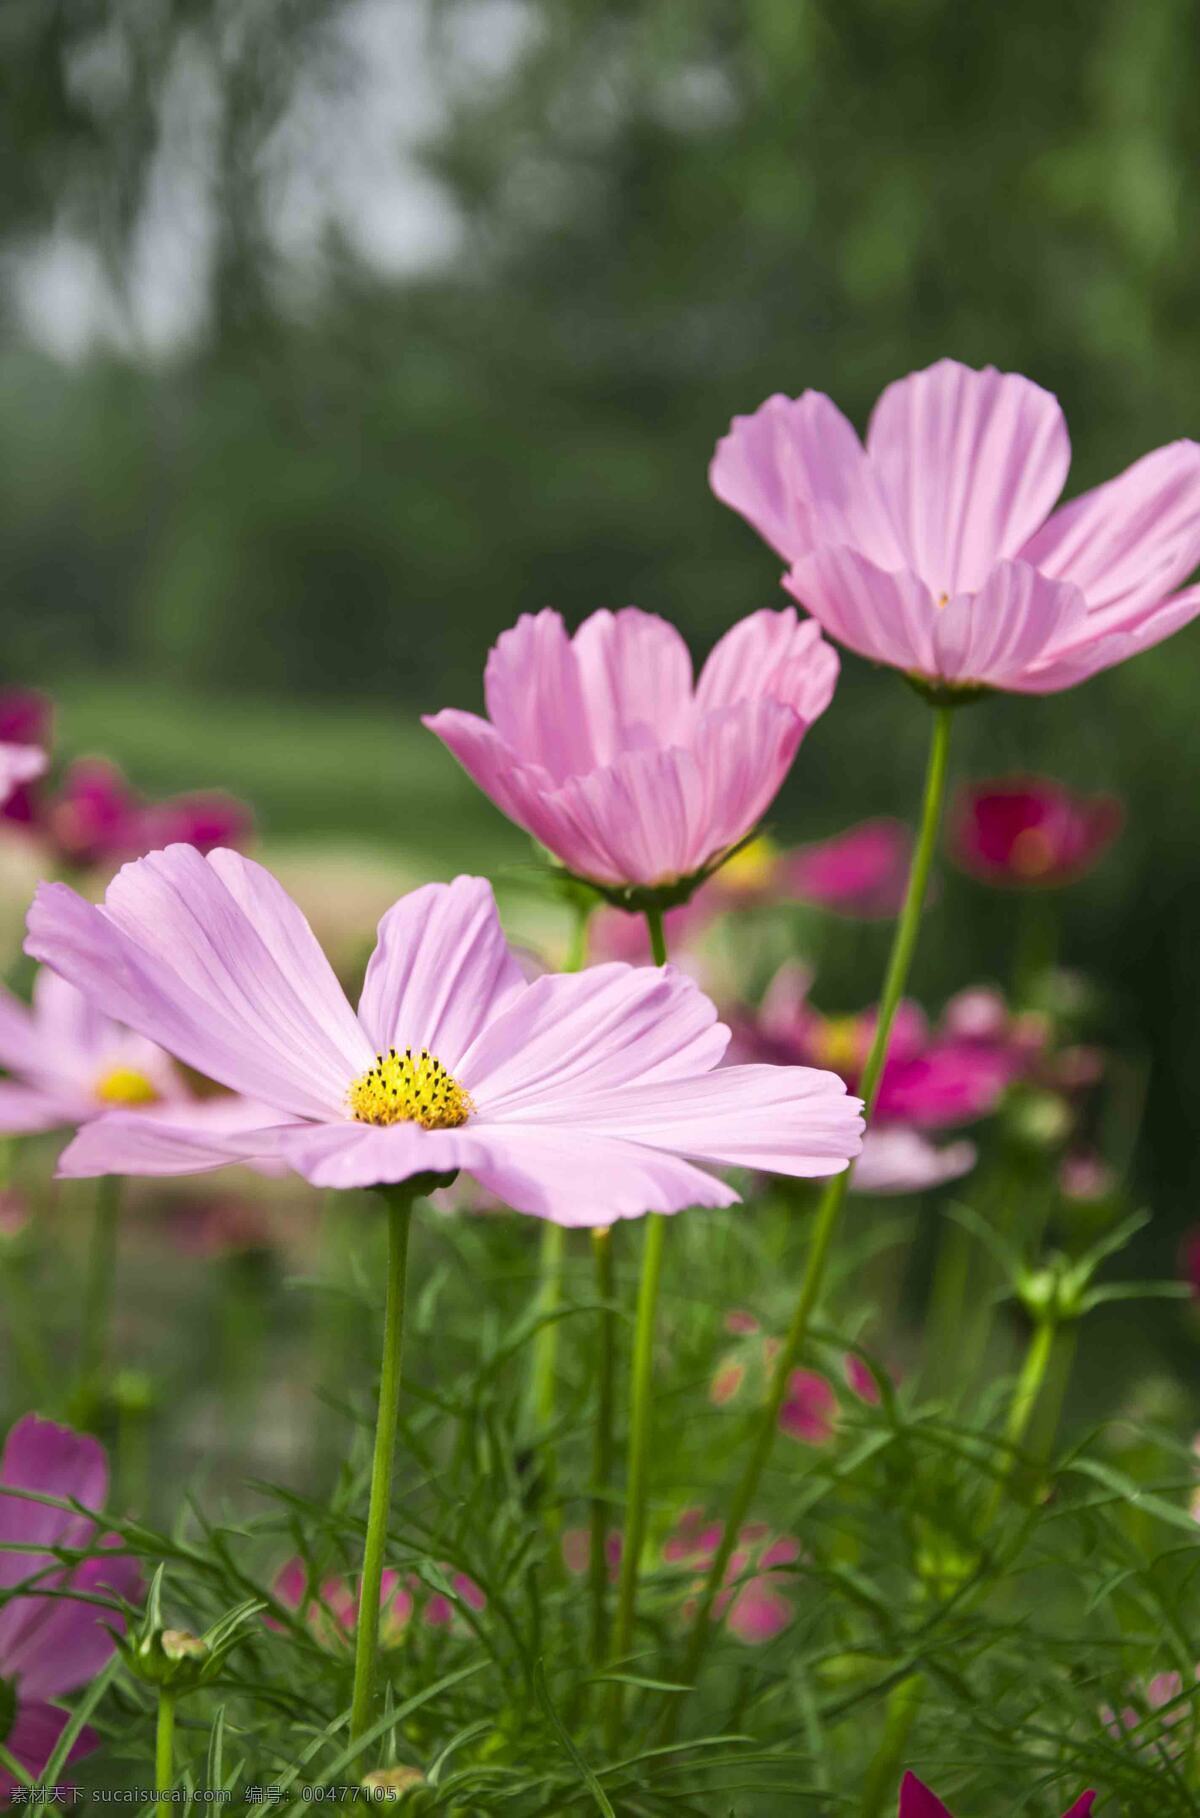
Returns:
<point x="997" y="634"/>
<point x="636" y="674"/>
<point x="535" y="696"/>
<point x="1086" y="652"/>
<point x="887" y="616"/>
<point x="916" y="1800"/>
<point x="772" y="654"/>
<point x="899" y="1160"/>
<point x="18" y="764"/>
<point x="210" y="958"/>
<point x="440" y="972"/>
<point x="53" y="1460"/>
<point x="568" y="1034"/>
<point x="34" y="1738"/>
<point x="574" y="1177"/>
<point x="191" y="1139"/>
<point x="345" y="1155"/>
<point x="970" y="464"/>
<point x="67" y="1643"/>
<point x="797" y="471"/>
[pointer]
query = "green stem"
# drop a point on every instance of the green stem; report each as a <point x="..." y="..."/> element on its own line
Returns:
<point x="602" y="1453"/>
<point x="658" y="936"/>
<point x="98" y="1290"/>
<point x="1021" y="1408"/>
<point x="879" y="1790"/>
<point x="639" y="1455"/>
<point x="164" y="1750"/>
<point x="904" y="943"/>
<point x="399" y="1210"/>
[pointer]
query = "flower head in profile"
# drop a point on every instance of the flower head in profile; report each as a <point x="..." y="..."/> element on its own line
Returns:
<point x="1029" y="832"/>
<point x="916" y="1801"/>
<point x="51" y="1642"/>
<point x="936" y="547"/>
<point x="635" y="776"/>
<point x="580" y="1098"/>
<point x="933" y="1079"/>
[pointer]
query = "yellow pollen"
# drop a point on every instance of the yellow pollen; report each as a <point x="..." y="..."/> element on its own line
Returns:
<point x="409" y="1088"/>
<point x="943" y="599"/>
<point x="125" y="1086"/>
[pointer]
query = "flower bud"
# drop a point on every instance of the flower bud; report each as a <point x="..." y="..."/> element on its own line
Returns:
<point x="392" y="1784"/>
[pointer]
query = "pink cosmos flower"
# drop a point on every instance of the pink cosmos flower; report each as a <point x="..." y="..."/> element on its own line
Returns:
<point x="19" y="764"/>
<point x="1031" y="831"/>
<point x="96" y="818"/>
<point x="581" y="1098"/>
<point x="752" y="1600"/>
<point x="330" y="1610"/>
<point x="861" y="872"/>
<point x="916" y="1801"/>
<point x="205" y="820"/>
<point x="937" y="549"/>
<point x="603" y="748"/>
<point x="50" y="1645"/>
<point x="809" y="1409"/>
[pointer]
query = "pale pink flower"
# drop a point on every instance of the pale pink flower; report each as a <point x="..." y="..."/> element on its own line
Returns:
<point x="604" y="749"/>
<point x="50" y="1643"/>
<point x="752" y="1600"/>
<point x="936" y="548"/>
<point x="809" y="1409"/>
<point x="580" y="1098"/>
<point x="329" y="1610"/>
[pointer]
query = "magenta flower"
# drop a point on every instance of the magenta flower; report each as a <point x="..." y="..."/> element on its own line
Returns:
<point x="861" y="872"/>
<point x="581" y="1098"/>
<point x="329" y="1610"/>
<point x="205" y="820"/>
<point x="94" y="817"/>
<point x="51" y="1645"/>
<point x="1031" y="831"/>
<point x="19" y="764"/>
<point x="26" y="723"/>
<point x="603" y="749"/>
<point x="752" y="1600"/>
<point x="936" y="548"/>
<point x="809" y="1409"/>
<point x="916" y="1801"/>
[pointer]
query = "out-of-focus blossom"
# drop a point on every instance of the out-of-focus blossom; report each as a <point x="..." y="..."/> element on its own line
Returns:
<point x="19" y="764"/>
<point x="1030" y="831"/>
<point x="1161" y="1706"/>
<point x="916" y="1801"/>
<point x="14" y="1213"/>
<point x="51" y="1642"/>
<point x="96" y="818"/>
<point x="752" y="1600"/>
<point x="329" y="1609"/>
<point x="577" y="1551"/>
<point x="604" y="749"/>
<point x="863" y="1381"/>
<point x="205" y="820"/>
<point x="1085" y="1177"/>
<point x="227" y="1224"/>
<point x="936" y="548"/>
<point x="581" y="1098"/>
<point x="740" y="1323"/>
<point x="809" y="1409"/>
<point x="26" y="724"/>
<point x="933" y="1078"/>
<point x="862" y="872"/>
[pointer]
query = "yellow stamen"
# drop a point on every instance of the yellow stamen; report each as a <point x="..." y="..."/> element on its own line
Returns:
<point x="409" y="1088"/>
<point x="125" y="1086"/>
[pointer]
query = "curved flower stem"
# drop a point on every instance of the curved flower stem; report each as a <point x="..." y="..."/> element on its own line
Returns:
<point x="164" y="1750"/>
<point x="1021" y="1408"/>
<point x="639" y="1412"/>
<point x="602" y="1452"/>
<point x="399" y="1211"/>
<point x="98" y="1290"/>
<point x="904" y="943"/>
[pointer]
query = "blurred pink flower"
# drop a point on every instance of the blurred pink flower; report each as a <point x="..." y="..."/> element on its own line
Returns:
<point x="916" y="1801"/>
<point x="1085" y="1177"/>
<point x="19" y="764"/>
<point x="861" y="872"/>
<point x="1030" y="831"/>
<point x="330" y="1610"/>
<point x="96" y="818"/>
<point x="603" y="748"/>
<point x="577" y="1551"/>
<point x="580" y="1098"/>
<point x="809" y="1409"/>
<point x="227" y="1224"/>
<point x="50" y="1643"/>
<point x="898" y="1159"/>
<point x="861" y="1379"/>
<point x="751" y="1601"/>
<point x="26" y="732"/>
<point x="936" y="548"/>
<point x="740" y="1322"/>
<point x="727" y="1381"/>
<point x="205" y="820"/>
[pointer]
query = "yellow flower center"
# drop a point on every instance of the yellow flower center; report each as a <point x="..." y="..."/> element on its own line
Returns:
<point x="409" y="1088"/>
<point x="125" y="1086"/>
<point x="1032" y="853"/>
<point x="753" y="866"/>
<point x="839" y="1044"/>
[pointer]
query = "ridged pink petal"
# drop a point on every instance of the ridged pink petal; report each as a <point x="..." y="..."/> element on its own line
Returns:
<point x="1086" y="655"/>
<point x="644" y="819"/>
<point x="916" y="1800"/>
<point x="770" y="654"/>
<point x="896" y="1159"/>
<point x="75" y="1044"/>
<point x="581" y="1032"/>
<point x="636" y="674"/>
<point x="67" y="1644"/>
<point x="788" y="1120"/>
<point x="1127" y="543"/>
<point x="52" y="1460"/>
<point x="744" y="753"/>
<point x="221" y="977"/>
<point x="888" y="617"/>
<point x="797" y="472"/>
<point x="351" y="1155"/>
<point x="19" y="1043"/>
<point x="998" y="634"/>
<point x="970" y="465"/>
<point x="535" y="697"/>
<point x="24" y="1110"/>
<point x="34" y="1738"/>
<point x="575" y="1177"/>
<point x="484" y="756"/>
<point x="176" y="1139"/>
<point x="18" y="764"/>
<point x="441" y="970"/>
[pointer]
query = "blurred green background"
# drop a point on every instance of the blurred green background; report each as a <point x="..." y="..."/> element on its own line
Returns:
<point x="335" y="336"/>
